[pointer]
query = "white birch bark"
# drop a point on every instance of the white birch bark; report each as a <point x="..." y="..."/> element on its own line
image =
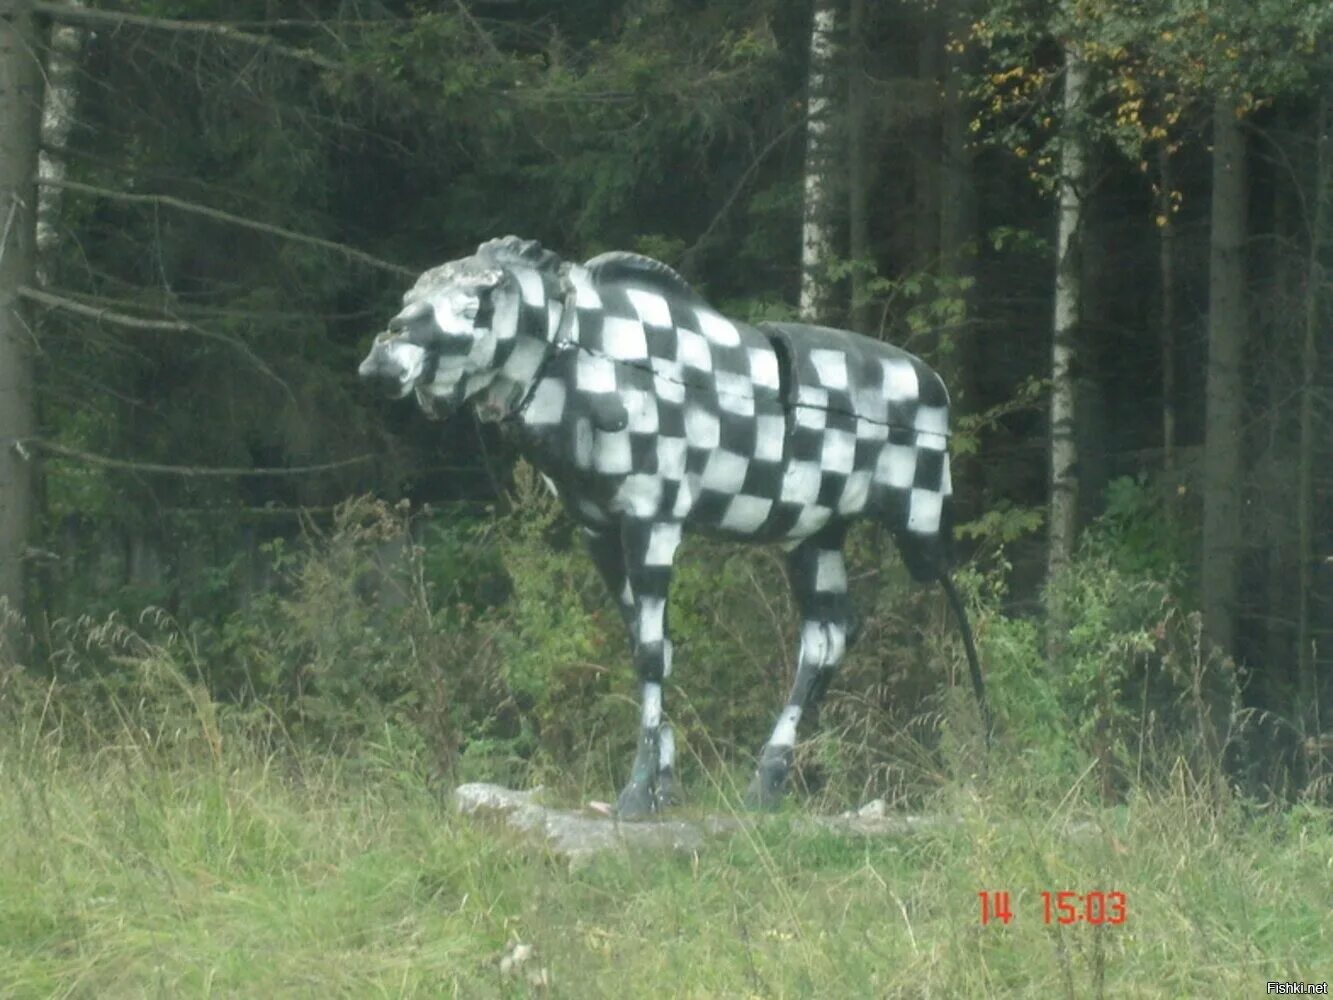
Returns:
<point x="1068" y="294"/>
<point x="820" y="161"/>
<point x="57" y="121"/>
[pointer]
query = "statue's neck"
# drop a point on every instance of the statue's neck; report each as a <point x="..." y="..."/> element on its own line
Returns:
<point x="537" y="327"/>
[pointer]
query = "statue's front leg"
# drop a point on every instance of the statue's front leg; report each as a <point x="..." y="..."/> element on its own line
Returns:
<point x="649" y="549"/>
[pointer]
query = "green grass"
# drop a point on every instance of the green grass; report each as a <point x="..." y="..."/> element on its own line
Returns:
<point x="196" y="865"/>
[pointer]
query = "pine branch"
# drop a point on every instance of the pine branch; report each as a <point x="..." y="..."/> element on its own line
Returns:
<point x="351" y="253"/>
<point x="70" y="14"/>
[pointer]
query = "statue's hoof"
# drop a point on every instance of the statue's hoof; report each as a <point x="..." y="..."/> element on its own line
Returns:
<point x="636" y="801"/>
<point x="766" y="790"/>
<point x="668" y="794"/>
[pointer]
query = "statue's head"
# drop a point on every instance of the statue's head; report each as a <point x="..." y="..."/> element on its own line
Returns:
<point x="459" y="322"/>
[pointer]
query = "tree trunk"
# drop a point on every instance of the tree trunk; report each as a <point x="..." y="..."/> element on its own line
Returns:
<point x="1166" y="264"/>
<point x="20" y="128"/>
<point x="1224" y="390"/>
<point x="858" y="169"/>
<point x="1307" y="681"/>
<point x="1068" y="275"/>
<point x="817" y="231"/>
<point x="57" y="120"/>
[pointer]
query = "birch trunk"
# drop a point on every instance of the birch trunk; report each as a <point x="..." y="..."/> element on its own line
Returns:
<point x="57" y="120"/>
<point x="1166" y="263"/>
<point x="20" y="129"/>
<point x="1224" y="387"/>
<point x="1068" y="289"/>
<point x="820" y="165"/>
<point x="858" y="168"/>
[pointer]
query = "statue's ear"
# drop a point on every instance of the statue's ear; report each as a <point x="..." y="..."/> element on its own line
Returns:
<point x="482" y="285"/>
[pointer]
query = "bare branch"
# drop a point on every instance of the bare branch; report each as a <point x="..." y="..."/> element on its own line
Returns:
<point x="351" y="253"/>
<point x="68" y="13"/>
<point x="61" y="451"/>
<point x="104" y="315"/>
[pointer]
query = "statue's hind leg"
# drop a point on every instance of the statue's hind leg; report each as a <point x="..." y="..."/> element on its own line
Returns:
<point x="819" y="582"/>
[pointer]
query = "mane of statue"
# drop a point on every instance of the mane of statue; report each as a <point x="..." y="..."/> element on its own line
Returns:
<point x="621" y="265"/>
<point x="515" y="250"/>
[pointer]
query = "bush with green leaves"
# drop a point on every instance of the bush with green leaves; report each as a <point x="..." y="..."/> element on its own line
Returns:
<point x="1127" y="684"/>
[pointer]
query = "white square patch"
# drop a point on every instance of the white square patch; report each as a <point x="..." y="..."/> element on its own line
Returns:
<point x="594" y="373"/>
<point x="668" y="390"/>
<point x="770" y="434"/>
<point x="725" y="471"/>
<point x="741" y="406"/>
<point x="586" y="296"/>
<point x="764" y="368"/>
<point x="812" y="395"/>
<point x="642" y="409"/>
<point x="855" y="493"/>
<point x="830" y="367"/>
<point x="692" y="350"/>
<point x="732" y="384"/>
<point x="810" y="520"/>
<point x="650" y="306"/>
<point x="624" y="338"/>
<point x="923" y="515"/>
<point x="702" y="429"/>
<point x="896" y="466"/>
<point x="813" y="418"/>
<point x="746" y="514"/>
<point x="685" y="497"/>
<point x="529" y="285"/>
<point x="830" y="573"/>
<point x="932" y="420"/>
<point x="839" y="452"/>
<point x="800" y="483"/>
<point x="871" y="430"/>
<point x="639" y="496"/>
<point x="611" y="453"/>
<point x="900" y="382"/>
<point x="717" y="328"/>
<point x="662" y="542"/>
<point x="671" y="458"/>
<point x="548" y="403"/>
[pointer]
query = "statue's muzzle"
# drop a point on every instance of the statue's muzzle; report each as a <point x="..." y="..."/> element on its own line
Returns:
<point x="392" y="368"/>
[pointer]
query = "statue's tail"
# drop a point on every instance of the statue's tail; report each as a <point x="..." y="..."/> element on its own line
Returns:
<point x="973" y="664"/>
<point x="927" y="557"/>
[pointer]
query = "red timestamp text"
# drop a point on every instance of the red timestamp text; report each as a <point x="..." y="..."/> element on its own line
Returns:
<point x="1063" y="907"/>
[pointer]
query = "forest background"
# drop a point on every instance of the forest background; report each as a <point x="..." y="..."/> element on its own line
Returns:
<point x="1107" y="227"/>
<point x="1107" y="223"/>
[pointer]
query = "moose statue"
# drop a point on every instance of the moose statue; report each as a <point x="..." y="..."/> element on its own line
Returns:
<point x="648" y="413"/>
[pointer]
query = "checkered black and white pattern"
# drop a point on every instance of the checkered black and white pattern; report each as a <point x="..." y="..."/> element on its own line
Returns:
<point x="650" y="413"/>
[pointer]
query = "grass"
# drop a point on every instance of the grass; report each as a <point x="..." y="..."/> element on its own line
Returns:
<point x="187" y="861"/>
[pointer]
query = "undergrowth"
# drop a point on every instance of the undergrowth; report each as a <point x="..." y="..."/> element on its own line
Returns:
<point x="262" y="806"/>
